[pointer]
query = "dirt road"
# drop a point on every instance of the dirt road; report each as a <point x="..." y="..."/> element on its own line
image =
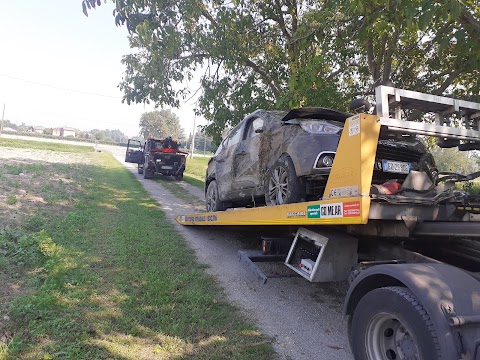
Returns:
<point x="305" y="319"/>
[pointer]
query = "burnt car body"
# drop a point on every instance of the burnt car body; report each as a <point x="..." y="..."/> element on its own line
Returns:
<point x="276" y="157"/>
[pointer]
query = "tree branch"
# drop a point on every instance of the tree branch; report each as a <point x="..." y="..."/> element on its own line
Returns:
<point x="372" y="66"/>
<point x="432" y="78"/>
<point x="264" y="75"/>
<point x="453" y="75"/>
<point x="387" y="60"/>
<point x="281" y="21"/>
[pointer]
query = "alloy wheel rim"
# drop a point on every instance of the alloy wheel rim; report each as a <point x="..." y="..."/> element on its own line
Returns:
<point x="211" y="198"/>
<point x="278" y="186"/>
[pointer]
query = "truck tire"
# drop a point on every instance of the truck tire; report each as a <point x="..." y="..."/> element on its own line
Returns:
<point x="179" y="176"/>
<point x="212" y="200"/>
<point x="147" y="172"/>
<point x="282" y="185"/>
<point x="391" y="323"/>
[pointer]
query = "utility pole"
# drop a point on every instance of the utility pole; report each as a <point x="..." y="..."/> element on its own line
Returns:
<point x="205" y="143"/>
<point x="1" y="124"/>
<point x="192" y="145"/>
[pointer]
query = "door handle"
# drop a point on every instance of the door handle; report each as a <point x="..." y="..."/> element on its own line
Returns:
<point x="242" y="153"/>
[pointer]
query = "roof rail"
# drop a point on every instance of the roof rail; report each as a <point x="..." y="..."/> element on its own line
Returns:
<point x="391" y="101"/>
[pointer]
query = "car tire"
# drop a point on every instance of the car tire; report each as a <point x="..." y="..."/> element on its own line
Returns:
<point x="212" y="199"/>
<point x="282" y="185"/>
<point x="147" y="172"/>
<point x="140" y="169"/>
<point x="391" y="323"/>
<point x="179" y="176"/>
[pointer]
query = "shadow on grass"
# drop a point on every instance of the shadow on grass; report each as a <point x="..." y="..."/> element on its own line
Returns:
<point x="119" y="282"/>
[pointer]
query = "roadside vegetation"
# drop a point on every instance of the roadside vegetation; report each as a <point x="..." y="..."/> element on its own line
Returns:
<point x="96" y="271"/>
<point x="40" y="145"/>
<point x="195" y="171"/>
<point x="197" y="166"/>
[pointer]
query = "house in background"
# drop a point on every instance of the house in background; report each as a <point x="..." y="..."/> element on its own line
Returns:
<point x="37" y="129"/>
<point x="64" y="131"/>
<point x="9" y="129"/>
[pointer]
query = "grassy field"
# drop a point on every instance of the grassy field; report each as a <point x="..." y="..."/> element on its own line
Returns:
<point x="39" y="145"/>
<point x="197" y="167"/>
<point x="105" y="276"/>
<point x="195" y="171"/>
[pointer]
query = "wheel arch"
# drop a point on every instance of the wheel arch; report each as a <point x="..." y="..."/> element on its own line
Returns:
<point x="295" y="160"/>
<point x="207" y="182"/>
<point x="440" y="288"/>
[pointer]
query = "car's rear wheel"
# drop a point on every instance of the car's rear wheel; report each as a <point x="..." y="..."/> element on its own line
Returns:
<point x="212" y="200"/>
<point x="282" y="184"/>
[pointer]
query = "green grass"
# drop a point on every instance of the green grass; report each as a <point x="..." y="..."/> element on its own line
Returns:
<point x="11" y="199"/>
<point x="194" y="181"/>
<point x="113" y="279"/>
<point x="41" y="145"/>
<point x="197" y="167"/>
<point x="176" y="189"/>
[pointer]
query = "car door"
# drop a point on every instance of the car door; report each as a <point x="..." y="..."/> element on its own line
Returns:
<point x="224" y="164"/>
<point x="246" y="169"/>
<point x="134" y="153"/>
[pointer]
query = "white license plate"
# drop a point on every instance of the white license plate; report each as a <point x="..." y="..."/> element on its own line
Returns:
<point x="396" y="167"/>
<point x="168" y="167"/>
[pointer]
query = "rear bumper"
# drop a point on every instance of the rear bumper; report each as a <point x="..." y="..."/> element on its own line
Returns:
<point x="165" y="169"/>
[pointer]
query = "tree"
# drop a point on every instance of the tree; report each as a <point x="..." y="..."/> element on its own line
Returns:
<point x="160" y="124"/>
<point x="8" y="123"/>
<point x="456" y="161"/>
<point x="202" y="140"/>
<point x="107" y="135"/>
<point x="281" y="53"/>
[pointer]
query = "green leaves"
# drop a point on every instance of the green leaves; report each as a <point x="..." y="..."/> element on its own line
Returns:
<point x="160" y="124"/>
<point x="277" y="53"/>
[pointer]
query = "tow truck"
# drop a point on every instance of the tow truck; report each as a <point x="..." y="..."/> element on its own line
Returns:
<point x="157" y="156"/>
<point x="412" y="256"/>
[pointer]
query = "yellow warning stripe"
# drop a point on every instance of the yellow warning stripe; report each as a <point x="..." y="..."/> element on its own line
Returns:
<point x="340" y="211"/>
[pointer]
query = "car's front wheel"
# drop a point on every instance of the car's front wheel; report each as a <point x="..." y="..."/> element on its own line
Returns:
<point x="282" y="186"/>
<point x="147" y="172"/>
<point x="212" y="200"/>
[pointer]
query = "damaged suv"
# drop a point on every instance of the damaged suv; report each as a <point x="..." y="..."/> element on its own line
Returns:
<point x="274" y="158"/>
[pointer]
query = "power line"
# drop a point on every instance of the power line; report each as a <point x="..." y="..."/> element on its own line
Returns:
<point x="59" y="88"/>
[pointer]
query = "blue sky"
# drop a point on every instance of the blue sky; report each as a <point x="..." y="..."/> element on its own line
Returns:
<point x="52" y="43"/>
